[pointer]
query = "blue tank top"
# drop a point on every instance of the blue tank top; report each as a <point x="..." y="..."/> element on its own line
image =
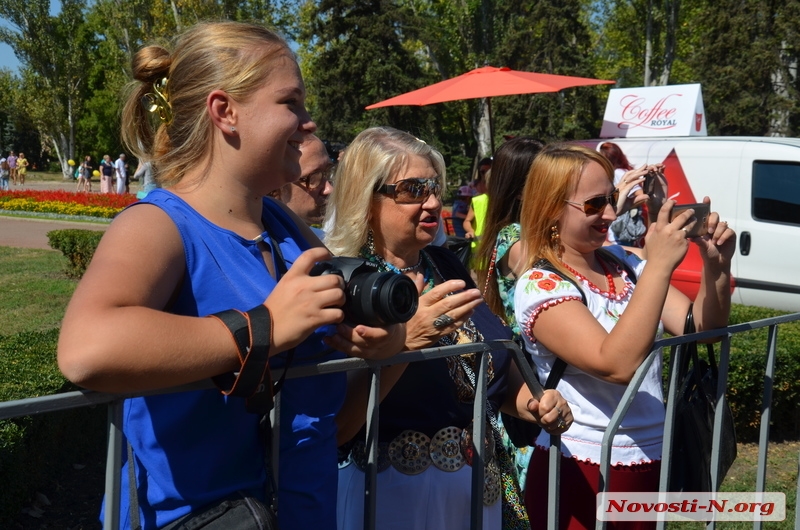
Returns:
<point x="193" y="448"/>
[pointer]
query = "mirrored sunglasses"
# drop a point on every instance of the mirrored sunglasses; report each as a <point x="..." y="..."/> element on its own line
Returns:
<point x="594" y="205"/>
<point x="316" y="180"/>
<point x="411" y="191"/>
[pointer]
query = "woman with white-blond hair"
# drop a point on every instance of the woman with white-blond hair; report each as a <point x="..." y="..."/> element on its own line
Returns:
<point x="386" y="208"/>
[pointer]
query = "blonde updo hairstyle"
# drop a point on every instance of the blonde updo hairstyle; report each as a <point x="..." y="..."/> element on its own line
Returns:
<point x="371" y="160"/>
<point x="552" y="179"/>
<point x="231" y="56"/>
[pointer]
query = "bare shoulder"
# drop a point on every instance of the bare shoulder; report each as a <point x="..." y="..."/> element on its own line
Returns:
<point x="139" y="261"/>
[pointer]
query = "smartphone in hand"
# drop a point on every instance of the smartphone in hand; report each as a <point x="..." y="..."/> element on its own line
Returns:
<point x="698" y="224"/>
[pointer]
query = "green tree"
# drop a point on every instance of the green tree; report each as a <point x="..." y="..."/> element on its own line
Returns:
<point x="548" y="37"/>
<point x="356" y="53"/>
<point x="745" y="66"/>
<point x="55" y="59"/>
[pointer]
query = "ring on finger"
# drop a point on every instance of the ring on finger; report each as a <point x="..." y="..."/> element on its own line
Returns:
<point x="442" y="321"/>
<point x="561" y="423"/>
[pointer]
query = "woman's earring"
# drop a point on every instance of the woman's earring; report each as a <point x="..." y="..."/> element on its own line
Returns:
<point x="555" y="240"/>
<point x="233" y="129"/>
<point x="370" y="241"/>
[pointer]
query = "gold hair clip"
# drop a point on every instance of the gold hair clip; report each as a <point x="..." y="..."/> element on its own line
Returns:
<point x="158" y="102"/>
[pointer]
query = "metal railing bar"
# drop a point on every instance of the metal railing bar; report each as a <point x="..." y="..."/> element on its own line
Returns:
<point x="553" y="481"/>
<point x="275" y="445"/>
<point x="113" y="466"/>
<point x="83" y="398"/>
<point x="479" y="435"/>
<point x="766" y="415"/>
<point x="616" y="421"/>
<point x="797" y="497"/>
<point x="716" y="437"/>
<point x="669" y="423"/>
<point x="371" y="475"/>
<point x="722" y="384"/>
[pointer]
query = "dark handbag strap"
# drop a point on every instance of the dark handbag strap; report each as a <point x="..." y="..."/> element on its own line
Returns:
<point x="691" y="349"/>
<point x="560" y="365"/>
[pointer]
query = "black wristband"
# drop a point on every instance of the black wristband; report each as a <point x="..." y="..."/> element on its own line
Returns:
<point x="252" y="333"/>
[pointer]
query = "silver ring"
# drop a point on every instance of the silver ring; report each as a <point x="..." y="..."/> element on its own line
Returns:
<point x="685" y="232"/>
<point x="442" y="321"/>
<point x="561" y="423"/>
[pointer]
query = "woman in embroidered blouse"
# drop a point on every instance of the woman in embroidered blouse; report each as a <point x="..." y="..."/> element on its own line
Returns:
<point x="386" y="208"/>
<point x="568" y="204"/>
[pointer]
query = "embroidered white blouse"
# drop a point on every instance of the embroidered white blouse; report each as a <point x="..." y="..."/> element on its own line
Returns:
<point x="593" y="400"/>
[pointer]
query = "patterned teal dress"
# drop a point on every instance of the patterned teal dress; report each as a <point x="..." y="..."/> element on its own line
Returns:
<point x="507" y="236"/>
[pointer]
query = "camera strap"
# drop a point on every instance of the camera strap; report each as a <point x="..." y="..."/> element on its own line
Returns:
<point x="281" y="270"/>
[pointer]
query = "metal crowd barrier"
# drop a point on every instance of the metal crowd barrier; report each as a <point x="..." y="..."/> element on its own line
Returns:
<point x="77" y="399"/>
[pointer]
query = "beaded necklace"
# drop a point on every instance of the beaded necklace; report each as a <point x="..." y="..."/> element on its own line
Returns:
<point x="612" y="290"/>
<point x="368" y="252"/>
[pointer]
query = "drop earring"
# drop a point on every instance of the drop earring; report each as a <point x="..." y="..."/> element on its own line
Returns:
<point x="555" y="241"/>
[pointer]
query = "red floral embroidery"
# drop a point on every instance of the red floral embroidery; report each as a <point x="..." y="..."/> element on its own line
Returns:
<point x="527" y="326"/>
<point x="556" y="277"/>
<point x="546" y="284"/>
<point x="536" y="275"/>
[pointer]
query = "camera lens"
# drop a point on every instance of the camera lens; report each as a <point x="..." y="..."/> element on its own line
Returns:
<point x="381" y="298"/>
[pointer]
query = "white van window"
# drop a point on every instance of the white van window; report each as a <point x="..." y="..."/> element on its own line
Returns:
<point x="776" y="192"/>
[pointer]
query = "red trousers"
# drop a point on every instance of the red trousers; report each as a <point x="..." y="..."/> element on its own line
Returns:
<point x="579" y="480"/>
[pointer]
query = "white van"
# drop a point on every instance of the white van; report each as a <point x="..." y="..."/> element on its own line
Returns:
<point x="754" y="184"/>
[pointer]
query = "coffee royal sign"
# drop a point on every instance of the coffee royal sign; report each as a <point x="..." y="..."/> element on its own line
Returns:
<point x="674" y="110"/>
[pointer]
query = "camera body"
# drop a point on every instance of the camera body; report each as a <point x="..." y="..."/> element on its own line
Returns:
<point x="699" y="226"/>
<point x="649" y="184"/>
<point x="373" y="298"/>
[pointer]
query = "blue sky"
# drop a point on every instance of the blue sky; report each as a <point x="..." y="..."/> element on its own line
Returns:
<point x="7" y="58"/>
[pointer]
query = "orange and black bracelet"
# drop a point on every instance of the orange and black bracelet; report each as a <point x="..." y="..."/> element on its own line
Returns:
<point x="252" y="332"/>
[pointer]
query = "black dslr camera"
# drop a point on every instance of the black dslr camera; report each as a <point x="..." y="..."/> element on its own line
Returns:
<point x="373" y="298"/>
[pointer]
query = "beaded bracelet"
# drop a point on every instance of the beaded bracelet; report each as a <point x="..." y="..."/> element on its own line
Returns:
<point x="252" y="332"/>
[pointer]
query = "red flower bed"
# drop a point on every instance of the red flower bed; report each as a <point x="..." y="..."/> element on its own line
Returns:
<point x="107" y="200"/>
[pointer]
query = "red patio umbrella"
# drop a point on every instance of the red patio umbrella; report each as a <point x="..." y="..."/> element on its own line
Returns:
<point x="487" y="82"/>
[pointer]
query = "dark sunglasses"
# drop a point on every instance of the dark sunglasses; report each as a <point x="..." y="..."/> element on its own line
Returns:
<point x="411" y="191"/>
<point x="316" y="180"/>
<point x="594" y="205"/>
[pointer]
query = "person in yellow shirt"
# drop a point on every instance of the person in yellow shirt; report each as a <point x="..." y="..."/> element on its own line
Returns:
<point x="473" y="224"/>
<point x="22" y="168"/>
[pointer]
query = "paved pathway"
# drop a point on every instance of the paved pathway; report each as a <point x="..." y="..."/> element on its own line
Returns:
<point x="32" y="233"/>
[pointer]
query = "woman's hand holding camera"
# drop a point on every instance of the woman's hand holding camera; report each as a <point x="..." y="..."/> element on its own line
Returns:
<point x="666" y="241"/>
<point x="300" y="303"/>
<point x="718" y="244"/>
<point x="629" y="181"/>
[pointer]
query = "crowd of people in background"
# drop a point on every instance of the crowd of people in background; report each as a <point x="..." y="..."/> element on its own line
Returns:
<point x="13" y="170"/>
<point x="113" y="175"/>
<point x="222" y="286"/>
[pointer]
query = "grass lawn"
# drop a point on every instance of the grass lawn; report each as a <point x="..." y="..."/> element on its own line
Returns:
<point x="35" y="291"/>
